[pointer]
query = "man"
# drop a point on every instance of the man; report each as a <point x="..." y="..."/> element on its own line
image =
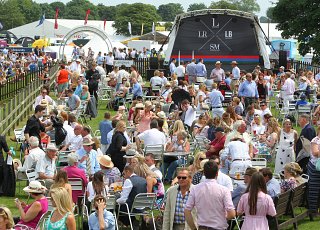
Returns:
<point x="93" y="77"/>
<point x="121" y="74"/>
<point x="81" y="52"/>
<point x="248" y="91"/>
<point x="76" y="66"/>
<point x="88" y="158"/>
<point x="308" y="133"/>
<point x="239" y="130"/>
<point x="273" y="186"/>
<point x="216" y="99"/>
<point x="281" y="71"/>
<point x="164" y="79"/>
<point x="150" y="161"/>
<point x="235" y="75"/>
<point x="109" y="62"/>
<point x="136" y="88"/>
<point x="86" y="132"/>
<point x="217" y="75"/>
<point x="34" y="126"/>
<point x="241" y="188"/>
<point x="105" y="127"/>
<point x="264" y="110"/>
<point x="177" y="196"/>
<point x="75" y="142"/>
<point x="132" y="186"/>
<point x="212" y="201"/>
<point x="217" y="144"/>
<point x="188" y="113"/>
<point x="287" y="91"/>
<point x="180" y="71"/>
<point x="192" y="72"/>
<point x="74" y="172"/>
<point x="201" y="71"/>
<point x="44" y="96"/>
<point x="46" y="166"/>
<point x="151" y="137"/>
<point x="173" y="66"/>
<point x="73" y="100"/>
<point x="35" y="153"/>
<point x="99" y="59"/>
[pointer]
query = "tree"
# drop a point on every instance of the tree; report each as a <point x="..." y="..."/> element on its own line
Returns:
<point x="76" y="9"/>
<point x="196" y="6"/>
<point x="107" y="12"/>
<point x="168" y="25"/>
<point x="128" y="13"/>
<point x="10" y="14"/>
<point x="299" y="19"/>
<point x="264" y="19"/>
<point x="47" y="10"/>
<point x="62" y="8"/>
<point x="169" y="11"/>
<point x="250" y="6"/>
<point x="31" y="10"/>
<point x="270" y="14"/>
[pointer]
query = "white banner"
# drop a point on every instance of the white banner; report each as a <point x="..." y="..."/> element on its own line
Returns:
<point x="119" y="63"/>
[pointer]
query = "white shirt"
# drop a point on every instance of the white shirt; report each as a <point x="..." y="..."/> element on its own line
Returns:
<point x="236" y="150"/>
<point x="172" y="67"/>
<point x="109" y="60"/>
<point x="152" y="137"/>
<point x="92" y="193"/>
<point x="288" y="87"/>
<point x="126" y="189"/>
<point x="46" y="97"/>
<point x="75" y="143"/>
<point x="70" y="132"/>
<point x="236" y="73"/>
<point x="46" y="165"/>
<point x="32" y="158"/>
<point x="180" y="71"/>
<point x="75" y="67"/>
<point x="190" y="116"/>
<point x="121" y="74"/>
<point x="222" y="179"/>
<point x="156" y="171"/>
<point x="101" y="70"/>
<point x="156" y="81"/>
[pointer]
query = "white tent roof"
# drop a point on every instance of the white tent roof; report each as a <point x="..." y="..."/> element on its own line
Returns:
<point x="64" y="26"/>
<point x="274" y="33"/>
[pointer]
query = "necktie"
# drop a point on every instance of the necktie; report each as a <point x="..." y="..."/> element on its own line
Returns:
<point x="88" y="165"/>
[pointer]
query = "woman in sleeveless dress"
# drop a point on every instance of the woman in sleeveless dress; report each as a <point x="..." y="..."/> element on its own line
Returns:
<point x="61" y="217"/>
<point x="287" y="141"/>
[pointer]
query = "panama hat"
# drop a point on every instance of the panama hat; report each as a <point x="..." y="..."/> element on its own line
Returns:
<point x="234" y="62"/>
<point x="106" y="161"/>
<point x="161" y="115"/>
<point x="52" y="147"/>
<point x="131" y="153"/>
<point x="35" y="187"/>
<point x="218" y="63"/>
<point x="87" y="141"/>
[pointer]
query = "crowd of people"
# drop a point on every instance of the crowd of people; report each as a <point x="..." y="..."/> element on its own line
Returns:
<point x="209" y="144"/>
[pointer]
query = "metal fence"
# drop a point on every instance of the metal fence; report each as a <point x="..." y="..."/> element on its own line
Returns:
<point x="305" y="66"/>
<point x="20" y="106"/>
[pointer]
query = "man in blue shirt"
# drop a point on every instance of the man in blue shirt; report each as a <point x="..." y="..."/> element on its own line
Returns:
<point x="191" y="71"/>
<point x="273" y="186"/>
<point x="228" y="79"/>
<point x="105" y="127"/>
<point x="248" y="91"/>
<point x="216" y="99"/>
<point x="172" y="66"/>
<point x="201" y="71"/>
<point x="88" y="153"/>
<point x="235" y="75"/>
<point x="136" y="88"/>
<point x="100" y="59"/>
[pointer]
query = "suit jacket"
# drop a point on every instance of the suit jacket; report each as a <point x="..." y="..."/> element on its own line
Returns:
<point x="168" y="216"/>
<point x="307" y="132"/>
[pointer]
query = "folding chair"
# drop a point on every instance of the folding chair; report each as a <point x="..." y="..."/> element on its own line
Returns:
<point x="143" y="201"/>
<point x="303" y="109"/>
<point x="259" y="162"/>
<point x="157" y="150"/>
<point x="40" y="225"/>
<point x="62" y="159"/>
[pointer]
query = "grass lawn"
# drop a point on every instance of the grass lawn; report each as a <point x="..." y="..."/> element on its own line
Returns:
<point x="94" y="123"/>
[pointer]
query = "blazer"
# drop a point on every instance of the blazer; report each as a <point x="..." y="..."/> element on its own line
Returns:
<point x="168" y="216"/>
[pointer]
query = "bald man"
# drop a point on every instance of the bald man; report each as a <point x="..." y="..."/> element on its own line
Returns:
<point x="75" y="142"/>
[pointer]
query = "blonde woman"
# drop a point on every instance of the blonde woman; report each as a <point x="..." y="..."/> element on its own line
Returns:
<point x="292" y="176"/>
<point x="6" y="219"/>
<point x="61" y="181"/>
<point x="201" y="96"/>
<point x="61" y="217"/>
<point x="177" y="127"/>
<point x="85" y="95"/>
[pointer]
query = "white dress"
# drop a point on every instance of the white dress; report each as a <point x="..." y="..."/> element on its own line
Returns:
<point x="285" y="151"/>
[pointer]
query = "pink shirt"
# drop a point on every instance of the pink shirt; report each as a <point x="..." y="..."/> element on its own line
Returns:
<point x="211" y="201"/>
<point x="289" y="87"/>
<point x="75" y="172"/>
<point x="144" y="123"/>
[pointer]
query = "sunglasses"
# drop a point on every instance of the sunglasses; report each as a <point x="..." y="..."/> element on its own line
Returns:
<point x="44" y="92"/>
<point x="201" y="158"/>
<point x="182" y="177"/>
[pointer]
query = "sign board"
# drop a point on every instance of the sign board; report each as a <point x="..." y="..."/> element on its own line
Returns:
<point x="119" y="63"/>
<point x="18" y="49"/>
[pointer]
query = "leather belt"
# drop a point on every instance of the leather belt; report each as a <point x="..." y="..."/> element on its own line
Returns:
<point x="247" y="159"/>
<point x="206" y="228"/>
<point x="217" y="107"/>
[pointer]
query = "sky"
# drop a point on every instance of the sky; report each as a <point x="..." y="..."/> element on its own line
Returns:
<point x="264" y="4"/>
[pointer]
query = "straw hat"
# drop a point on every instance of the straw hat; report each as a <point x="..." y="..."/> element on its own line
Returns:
<point x="234" y="63"/>
<point x="35" y="187"/>
<point x="78" y="60"/>
<point x="106" y="161"/>
<point x="52" y="147"/>
<point x="87" y="141"/>
<point x="121" y="107"/>
<point x="131" y="153"/>
<point x="303" y="78"/>
<point x="218" y="62"/>
<point x="161" y="115"/>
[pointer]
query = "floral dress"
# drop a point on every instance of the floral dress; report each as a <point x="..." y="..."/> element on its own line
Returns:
<point x="60" y="224"/>
<point x="285" y="151"/>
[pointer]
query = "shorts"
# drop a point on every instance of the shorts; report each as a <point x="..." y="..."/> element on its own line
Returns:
<point x="62" y="87"/>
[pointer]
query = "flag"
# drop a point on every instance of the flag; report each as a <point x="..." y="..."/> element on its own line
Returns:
<point x="41" y="21"/>
<point x="153" y="28"/>
<point x="87" y="15"/>
<point x="104" y="24"/>
<point x="56" y="19"/>
<point x="1" y="26"/>
<point x="129" y="28"/>
<point x="142" y="28"/>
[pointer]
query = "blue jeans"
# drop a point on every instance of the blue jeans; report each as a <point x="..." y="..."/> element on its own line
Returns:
<point x="170" y="168"/>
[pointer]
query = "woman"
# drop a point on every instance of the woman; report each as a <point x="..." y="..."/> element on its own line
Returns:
<point x="227" y="122"/>
<point x="44" y="77"/>
<point x="144" y="118"/>
<point x="97" y="186"/>
<point x="111" y="173"/>
<point x="31" y="214"/>
<point x="97" y="146"/>
<point x="238" y="107"/>
<point x="139" y="107"/>
<point x="61" y="180"/>
<point x="233" y="115"/>
<point x="62" y="79"/>
<point x="6" y="220"/>
<point x="201" y="96"/>
<point x="118" y="146"/>
<point x="85" y="95"/>
<point x="201" y="128"/>
<point x="61" y="217"/>
<point x="192" y="92"/>
<point x="256" y="204"/>
<point x="287" y="142"/>
<point x="181" y="144"/>
<point x="314" y="175"/>
<point x="292" y="176"/>
<point x="133" y="72"/>
<point x="122" y="92"/>
<point x="177" y="127"/>
<point x="262" y="87"/>
<point x="256" y="126"/>
<point x="198" y="175"/>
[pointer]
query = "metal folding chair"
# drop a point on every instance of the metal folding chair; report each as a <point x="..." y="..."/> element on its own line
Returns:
<point x="259" y="162"/>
